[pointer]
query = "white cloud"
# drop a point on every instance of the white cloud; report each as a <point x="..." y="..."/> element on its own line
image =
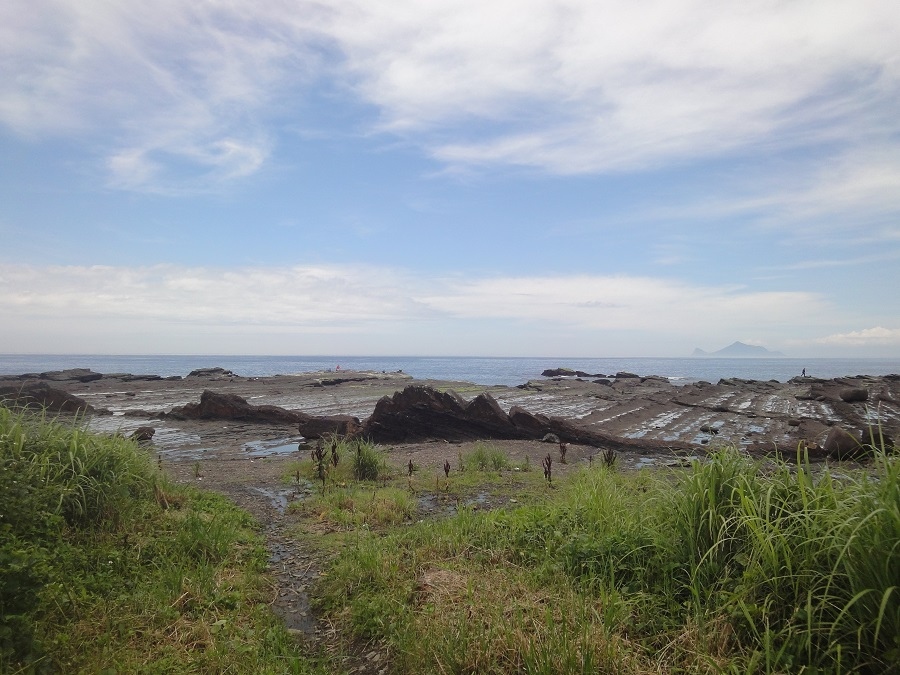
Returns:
<point x="364" y="301"/>
<point x="878" y="336"/>
<point x="579" y="86"/>
<point x="174" y="92"/>
<point x="594" y="86"/>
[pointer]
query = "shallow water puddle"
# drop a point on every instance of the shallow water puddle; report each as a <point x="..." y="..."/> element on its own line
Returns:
<point x="279" y="446"/>
<point x="278" y="498"/>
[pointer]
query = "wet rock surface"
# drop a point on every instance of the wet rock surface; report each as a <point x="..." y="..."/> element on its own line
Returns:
<point x="640" y="413"/>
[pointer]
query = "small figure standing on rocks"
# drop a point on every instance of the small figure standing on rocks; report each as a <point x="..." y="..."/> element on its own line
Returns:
<point x="803" y="374"/>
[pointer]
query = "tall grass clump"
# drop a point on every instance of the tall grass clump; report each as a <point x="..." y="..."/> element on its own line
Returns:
<point x="106" y="567"/>
<point x="732" y="565"/>
<point x="368" y="461"/>
<point x="485" y="458"/>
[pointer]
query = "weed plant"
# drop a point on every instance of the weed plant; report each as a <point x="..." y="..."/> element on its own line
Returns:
<point x="730" y="566"/>
<point x="361" y="461"/>
<point x="105" y="567"/>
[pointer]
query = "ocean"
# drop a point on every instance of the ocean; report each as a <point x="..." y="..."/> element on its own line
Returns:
<point x="478" y="370"/>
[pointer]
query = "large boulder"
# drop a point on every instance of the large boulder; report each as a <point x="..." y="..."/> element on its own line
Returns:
<point x="143" y="434"/>
<point x="41" y="395"/>
<point x="854" y="395"/>
<point x="841" y="444"/>
<point x="213" y="405"/>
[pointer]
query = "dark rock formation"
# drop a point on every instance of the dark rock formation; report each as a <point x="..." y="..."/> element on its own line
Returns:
<point x="143" y="434"/>
<point x="128" y="377"/>
<point x="421" y="413"/>
<point x="232" y="407"/>
<point x="418" y="413"/>
<point x="72" y="374"/>
<point x="211" y="372"/>
<point x="42" y="395"/>
<point x="558" y="372"/>
<point x="878" y="439"/>
<point x="841" y="444"/>
<point x="318" y="427"/>
<point x="530" y="423"/>
<point x="854" y="395"/>
<point x="332" y="381"/>
<point x="622" y="375"/>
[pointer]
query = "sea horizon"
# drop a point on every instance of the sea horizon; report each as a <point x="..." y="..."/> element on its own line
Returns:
<point x="483" y="370"/>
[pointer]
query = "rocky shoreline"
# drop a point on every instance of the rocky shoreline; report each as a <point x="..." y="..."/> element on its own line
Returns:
<point x="835" y="417"/>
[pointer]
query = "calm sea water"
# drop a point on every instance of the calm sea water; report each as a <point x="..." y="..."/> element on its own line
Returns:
<point x="502" y="371"/>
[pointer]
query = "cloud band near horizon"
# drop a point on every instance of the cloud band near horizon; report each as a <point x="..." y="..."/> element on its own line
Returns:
<point x="398" y="305"/>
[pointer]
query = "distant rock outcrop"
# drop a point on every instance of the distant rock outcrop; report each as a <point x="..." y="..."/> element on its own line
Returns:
<point x="568" y="372"/>
<point x="211" y="372"/>
<point x="69" y="375"/>
<point x="558" y="372"/>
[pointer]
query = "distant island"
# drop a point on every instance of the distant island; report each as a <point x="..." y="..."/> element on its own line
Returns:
<point x="739" y="350"/>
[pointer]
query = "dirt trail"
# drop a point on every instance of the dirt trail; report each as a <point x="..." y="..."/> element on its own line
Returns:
<point x="258" y="484"/>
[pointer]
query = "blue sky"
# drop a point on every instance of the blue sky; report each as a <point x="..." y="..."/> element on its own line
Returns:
<point x="528" y="178"/>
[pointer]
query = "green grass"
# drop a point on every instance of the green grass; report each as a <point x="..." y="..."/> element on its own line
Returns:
<point x="730" y="566"/>
<point x="346" y="501"/>
<point x="105" y="567"/>
<point x="485" y="458"/>
<point x="354" y="506"/>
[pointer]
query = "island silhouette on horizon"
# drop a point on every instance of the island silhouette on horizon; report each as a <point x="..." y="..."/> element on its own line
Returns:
<point x="740" y="350"/>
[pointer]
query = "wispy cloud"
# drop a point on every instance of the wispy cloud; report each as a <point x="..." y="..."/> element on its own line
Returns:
<point x="176" y="93"/>
<point x="586" y="86"/>
<point x="878" y="336"/>
<point x="186" y="92"/>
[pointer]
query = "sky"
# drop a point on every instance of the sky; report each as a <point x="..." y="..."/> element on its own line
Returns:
<point x="584" y="178"/>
